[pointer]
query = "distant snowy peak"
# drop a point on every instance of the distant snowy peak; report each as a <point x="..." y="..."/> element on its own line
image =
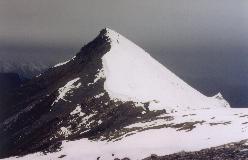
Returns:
<point x="24" y="69"/>
<point x="133" y="75"/>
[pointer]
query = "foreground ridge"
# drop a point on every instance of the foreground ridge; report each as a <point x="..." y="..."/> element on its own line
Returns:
<point x="231" y="151"/>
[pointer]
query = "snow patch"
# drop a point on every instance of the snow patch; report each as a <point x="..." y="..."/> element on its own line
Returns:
<point x="100" y="122"/>
<point x="86" y="120"/>
<point x="38" y="75"/>
<point x="243" y="150"/>
<point x="60" y="64"/>
<point x="63" y="63"/>
<point x="99" y="95"/>
<point x="77" y="110"/>
<point x="100" y="74"/>
<point x="64" y="131"/>
<point x="66" y="89"/>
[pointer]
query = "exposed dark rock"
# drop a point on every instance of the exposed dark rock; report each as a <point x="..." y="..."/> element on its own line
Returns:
<point x="31" y="121"/>
<point x="232" y="151"/>
<point x="62" y="156"/>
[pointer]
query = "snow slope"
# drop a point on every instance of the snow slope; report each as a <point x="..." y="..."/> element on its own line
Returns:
<point x="132" y="74"/>
<point x="213" y="132"/>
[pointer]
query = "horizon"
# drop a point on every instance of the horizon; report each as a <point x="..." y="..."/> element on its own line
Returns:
<point x="202" y="42"/>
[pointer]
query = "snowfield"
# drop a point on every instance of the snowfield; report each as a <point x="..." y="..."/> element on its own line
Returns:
<point x="213" y="132"/>
<point x="133" y="75"/>
<point x="197" y="121"/>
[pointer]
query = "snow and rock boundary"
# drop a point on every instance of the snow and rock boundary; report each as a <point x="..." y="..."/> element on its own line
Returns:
<point x="113" y="98"/>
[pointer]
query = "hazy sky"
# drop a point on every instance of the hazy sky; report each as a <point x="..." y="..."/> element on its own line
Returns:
<point x="197" y="39"/>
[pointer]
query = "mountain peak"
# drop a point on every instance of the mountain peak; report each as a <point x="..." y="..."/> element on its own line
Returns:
<point x="114" y="36"/>
<point x="133" y="75"/>
<point x="111" y="33"/>
<point x="113" y="95"/>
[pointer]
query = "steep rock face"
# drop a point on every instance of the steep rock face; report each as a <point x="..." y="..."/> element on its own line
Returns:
<point x="113" y="93"/>
<point x="31" y="117"/>
<point x="70" y="95"/>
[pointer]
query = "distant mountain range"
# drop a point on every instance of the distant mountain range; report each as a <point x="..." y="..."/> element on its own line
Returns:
<point x="113" y="100"/>
<point x="23" y="69"/>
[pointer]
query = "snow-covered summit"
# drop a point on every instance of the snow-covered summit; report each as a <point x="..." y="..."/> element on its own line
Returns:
<point x="133" y="75"/>
<point x="113" y="100"/>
